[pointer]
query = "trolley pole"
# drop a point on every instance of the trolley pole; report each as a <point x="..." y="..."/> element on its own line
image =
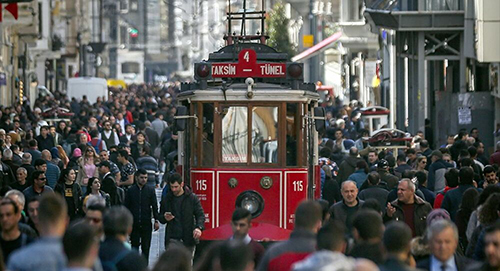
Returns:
<point x="313" y="65"/>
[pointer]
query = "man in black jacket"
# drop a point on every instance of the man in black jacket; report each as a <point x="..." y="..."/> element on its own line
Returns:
<point x="182" y="211"/>
<point x="141" y="201"/>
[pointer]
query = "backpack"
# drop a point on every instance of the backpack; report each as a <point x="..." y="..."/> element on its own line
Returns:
<point x="97" y="147"/>
<point x="111" y="265"/>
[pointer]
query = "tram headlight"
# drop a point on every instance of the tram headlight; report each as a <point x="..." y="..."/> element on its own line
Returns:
<point x="295" y="70"/>
<point x="202" y="70"/>
<point x="252" y="201"/>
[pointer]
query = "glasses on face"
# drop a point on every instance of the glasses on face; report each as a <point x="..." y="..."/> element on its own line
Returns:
<point x="42" y="179"/>
<point x="423" y="162"/>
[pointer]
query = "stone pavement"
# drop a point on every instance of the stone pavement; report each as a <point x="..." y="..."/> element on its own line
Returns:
<point x="158" y="238"/>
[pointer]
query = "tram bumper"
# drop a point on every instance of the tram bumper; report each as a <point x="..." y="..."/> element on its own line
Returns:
<point x="259" y="232"/>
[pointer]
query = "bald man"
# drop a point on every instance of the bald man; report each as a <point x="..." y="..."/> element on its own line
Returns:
<point x="345" y="210"/>
<point x="53" y="172"/>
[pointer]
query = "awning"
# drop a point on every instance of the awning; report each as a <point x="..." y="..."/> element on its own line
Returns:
<point x="318" y="48"/>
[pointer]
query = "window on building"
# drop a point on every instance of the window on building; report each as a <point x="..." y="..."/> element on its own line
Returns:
<point x="134" y="5"/>
<point x="130" y="67"/>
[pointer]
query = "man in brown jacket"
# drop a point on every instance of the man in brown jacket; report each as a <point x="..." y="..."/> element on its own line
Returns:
<point x="409" y="208"/>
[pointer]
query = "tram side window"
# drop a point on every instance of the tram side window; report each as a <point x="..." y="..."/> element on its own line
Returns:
<point x="234" y="134"/>
<point x="265" y="134"/>
<point x="208" y="135"/>
<point x="291" y="134"/>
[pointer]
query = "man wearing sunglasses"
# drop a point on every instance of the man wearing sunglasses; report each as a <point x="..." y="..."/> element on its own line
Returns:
<point x="39" y="186"/>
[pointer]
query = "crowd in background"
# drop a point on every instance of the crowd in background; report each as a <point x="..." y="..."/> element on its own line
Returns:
<point x="431" y="205"/>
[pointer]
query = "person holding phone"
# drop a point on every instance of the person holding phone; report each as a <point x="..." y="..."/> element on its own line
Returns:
<point x="182" y="211"/>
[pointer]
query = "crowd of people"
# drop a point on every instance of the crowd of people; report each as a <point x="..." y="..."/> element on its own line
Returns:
<point x="423" y="206"/>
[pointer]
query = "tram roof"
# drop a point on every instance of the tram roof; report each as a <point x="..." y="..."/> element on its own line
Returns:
<point x="261" y="92"/>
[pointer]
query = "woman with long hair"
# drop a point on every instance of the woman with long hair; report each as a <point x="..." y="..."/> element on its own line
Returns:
<point x="63" y="155"/>
<point x="421" y="163"/>
<point x="87" y="167"/>
<point x="488" y="214"/>
<point x="467" y="206"/>
<point x="95" y="189"/>
<point x="71" y="191"/>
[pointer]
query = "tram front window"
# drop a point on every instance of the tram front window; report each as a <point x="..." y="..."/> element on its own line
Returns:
<point x="234" y="134"/>
<point x="264" y="134"/>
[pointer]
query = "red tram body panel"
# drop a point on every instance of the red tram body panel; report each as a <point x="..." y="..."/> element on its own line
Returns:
<point x="280" y="200"/>
<point x="248" y="137"/>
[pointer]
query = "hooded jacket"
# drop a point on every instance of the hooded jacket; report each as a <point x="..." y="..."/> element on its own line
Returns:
<point x="347" y="167"/>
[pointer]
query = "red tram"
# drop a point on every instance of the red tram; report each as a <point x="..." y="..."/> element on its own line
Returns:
<point x="248" y="136"/>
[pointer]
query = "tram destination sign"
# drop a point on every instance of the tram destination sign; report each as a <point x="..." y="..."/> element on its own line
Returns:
<point x="247" y="66"/>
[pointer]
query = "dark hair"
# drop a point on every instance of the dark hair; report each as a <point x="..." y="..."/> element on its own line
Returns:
<point x="424" y="143"/>
<point x="175" y="258"/>
<point x="325" y="207"/>
<point x="451" y="177"/>
<point x="369" y="224"/>
<point x="461" y="134"/>
<point x="471" y="130"/>
<point x="469" y="201"/>
<point x="175" y="178"/>
<point x="37" y="174"/>
<point x="78" y="240"/>
<point x="94" y="133"/>
<point x="123" y="153"/>
<point x="40" y="162"/>
<point x="373" y="178"/>
<point x="146" y="149"/>
<point x="97" y="207"/>
<point x="64" y="174"/>
<point x="52" y="209"/>
<point x="117" y="220"/>
<point x="488" y="169"/>
<point x="421" y="177"/>
<point x="401" y="158"/>
<point x="325" y="152"/>
<point x="33" y="143"/>
<point x="307" y="214"/>
<point x="466" y="175"/>
<point x="485" y="194"/>
<point x="141" y="171"/>
<point x="472" y="151"/>
<point x="361" y="164"/>
<point x="7" y="201"/>
<point x="489" y="212"/>
<point x="410" y="151"/>
<point x="331" y="236"/>
<point x="235" y="255"/>
<point x="397" y="237"/>
<point x="372" y="204"/>
<point x="493" y="228"/>
<point x="241" y="213"/>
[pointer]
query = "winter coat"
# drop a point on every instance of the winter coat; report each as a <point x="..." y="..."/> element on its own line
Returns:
<point x="436" y="181"/>
<point x="347" y="167"/>
<point x="422" y="209"/>
<point x="192" y="215"/>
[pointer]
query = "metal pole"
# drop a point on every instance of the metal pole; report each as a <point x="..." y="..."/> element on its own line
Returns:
<point x="312" y="31"/>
